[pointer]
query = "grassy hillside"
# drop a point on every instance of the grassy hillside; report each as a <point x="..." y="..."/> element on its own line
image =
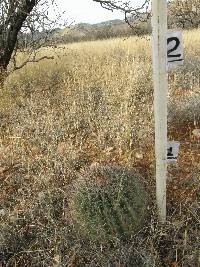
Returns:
<point x="92" y="105"/>
<point x="104" y="30"/>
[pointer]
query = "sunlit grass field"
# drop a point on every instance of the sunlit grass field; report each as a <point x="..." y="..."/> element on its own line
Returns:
<point x="93" y="104"/>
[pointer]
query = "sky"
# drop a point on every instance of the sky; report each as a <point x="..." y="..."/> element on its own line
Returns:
<point x="88" y="11"/>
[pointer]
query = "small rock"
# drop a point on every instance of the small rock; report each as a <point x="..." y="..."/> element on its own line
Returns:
<point x="139" y="155"/>
<point x="2" y="212"/>
<point x="94" y="166"/>
<point x="196" y="134"/>
<point x="57" y="258"/>
<point x="61" y="148"/>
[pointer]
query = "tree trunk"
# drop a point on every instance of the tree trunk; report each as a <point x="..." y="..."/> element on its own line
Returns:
<point x="9" y="32"/>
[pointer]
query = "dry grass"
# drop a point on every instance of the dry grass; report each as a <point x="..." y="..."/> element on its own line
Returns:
<point x="93" y="103"/>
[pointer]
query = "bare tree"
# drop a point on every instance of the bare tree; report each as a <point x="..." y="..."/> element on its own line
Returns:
<point x="182" y="13"/>
<point x="24" y="26"/>
<point x="133" y="14"/>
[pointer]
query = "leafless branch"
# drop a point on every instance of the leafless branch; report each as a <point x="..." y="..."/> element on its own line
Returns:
<point x="122" y="6"/>
<point x="132" y="15"/>
<point x="33" y="60"/>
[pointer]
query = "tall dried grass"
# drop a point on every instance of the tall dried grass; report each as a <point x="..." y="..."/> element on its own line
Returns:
<point x="93" y="103"/>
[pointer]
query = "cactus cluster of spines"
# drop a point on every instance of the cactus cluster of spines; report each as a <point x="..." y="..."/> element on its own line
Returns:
<point x="113" y="209"/>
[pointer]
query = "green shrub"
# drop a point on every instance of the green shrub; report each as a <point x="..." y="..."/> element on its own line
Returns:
<point x="109" y="203"/>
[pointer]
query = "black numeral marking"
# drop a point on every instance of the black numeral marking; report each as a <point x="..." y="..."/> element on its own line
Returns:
<point x="177" y="43"/>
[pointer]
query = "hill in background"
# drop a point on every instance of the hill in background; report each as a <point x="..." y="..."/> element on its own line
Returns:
<point x="103" y="30"/>
<point x="184" y="16"/>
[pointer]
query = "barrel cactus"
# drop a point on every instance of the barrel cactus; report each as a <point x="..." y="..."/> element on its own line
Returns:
<point x="109" y="203"/>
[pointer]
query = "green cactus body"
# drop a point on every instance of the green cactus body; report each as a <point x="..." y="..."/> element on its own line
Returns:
<point x="112" y="210"/>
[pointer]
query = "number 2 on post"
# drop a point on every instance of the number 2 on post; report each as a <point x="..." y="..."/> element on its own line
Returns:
<point x="177" y="43"/>
<point x="174" y="48"/>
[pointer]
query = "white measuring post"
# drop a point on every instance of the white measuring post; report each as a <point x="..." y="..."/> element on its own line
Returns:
<point x="160" y="77"/>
